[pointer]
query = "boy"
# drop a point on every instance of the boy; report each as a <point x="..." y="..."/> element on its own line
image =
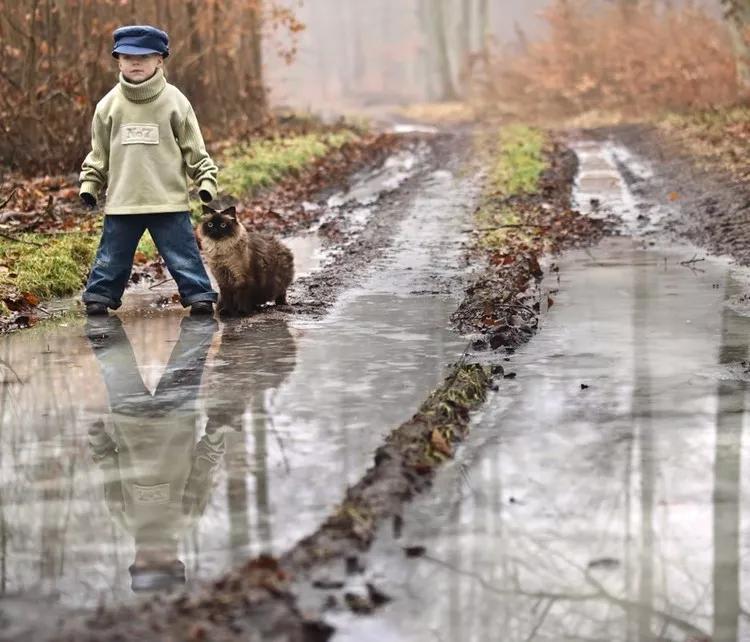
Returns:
<point x="145" y="142"/>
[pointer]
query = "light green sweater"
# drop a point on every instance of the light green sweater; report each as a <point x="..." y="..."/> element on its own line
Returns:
<point x="145" y="142"/>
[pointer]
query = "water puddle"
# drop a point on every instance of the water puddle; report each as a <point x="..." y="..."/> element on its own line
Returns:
<point x="370" y="185"/>
<point x="141" y="454"/>
<point x="414" y="128"/>
<point x="601" y="495"/>
<point x="602" y="189"/>
<point x="308" y="252"/>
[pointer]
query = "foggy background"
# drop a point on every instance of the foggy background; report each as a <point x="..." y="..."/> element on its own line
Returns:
<point x="355" y="53"/>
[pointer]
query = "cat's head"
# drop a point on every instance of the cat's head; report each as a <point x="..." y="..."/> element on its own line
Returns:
<point x="220" y="225"/>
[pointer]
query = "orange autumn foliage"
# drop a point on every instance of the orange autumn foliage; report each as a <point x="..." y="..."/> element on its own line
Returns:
<point x="636" y="60"/>
<point x="55" y="64"/>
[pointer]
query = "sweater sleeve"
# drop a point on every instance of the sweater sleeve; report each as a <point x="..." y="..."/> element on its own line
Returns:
<point x="200" y="168"/>
<point x="95" y="166"/>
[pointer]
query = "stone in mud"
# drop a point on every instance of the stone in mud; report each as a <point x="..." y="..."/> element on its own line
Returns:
<point x="377" y="597"/>
<point x="479" y="345"/>
<point x="327" y="584"/>
<point x="414" y="551"/>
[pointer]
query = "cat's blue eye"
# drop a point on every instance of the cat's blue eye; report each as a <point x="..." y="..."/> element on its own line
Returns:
<point x="210" y="225"/>
<point x="223" y="225"/>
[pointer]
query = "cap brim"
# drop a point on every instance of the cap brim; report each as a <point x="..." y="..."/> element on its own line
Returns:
<point x="132" y="50"/>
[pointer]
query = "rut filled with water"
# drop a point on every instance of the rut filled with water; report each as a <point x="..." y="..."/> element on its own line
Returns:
<point x="600" y="495"/>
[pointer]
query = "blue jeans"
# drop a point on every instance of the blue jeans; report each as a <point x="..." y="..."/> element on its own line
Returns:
<point x="174" y="238"/>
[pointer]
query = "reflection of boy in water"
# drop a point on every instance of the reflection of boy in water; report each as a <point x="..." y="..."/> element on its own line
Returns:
<point x="157" y="480"/>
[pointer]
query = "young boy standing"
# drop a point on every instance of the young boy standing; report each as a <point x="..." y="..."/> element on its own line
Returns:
<point x="145" y="143"/>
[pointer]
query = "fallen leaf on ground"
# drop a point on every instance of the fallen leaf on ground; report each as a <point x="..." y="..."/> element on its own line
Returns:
<point x="439" y="443"/>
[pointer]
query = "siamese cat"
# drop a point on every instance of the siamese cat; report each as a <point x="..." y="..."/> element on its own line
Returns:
<point x="251" y="269"/>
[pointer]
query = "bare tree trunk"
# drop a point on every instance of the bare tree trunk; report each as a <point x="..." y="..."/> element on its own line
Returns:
<point x="737" y="13"/>
<point x="425" y="57"/>
<point x="191" y="80"/>
<point x="484" y="25"/>
<point x="448" y="89"/>
<point x="467" y="7"/>
<point x="254" y="50"/>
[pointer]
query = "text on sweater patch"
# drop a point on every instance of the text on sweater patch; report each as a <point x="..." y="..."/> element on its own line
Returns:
<point x="158" y="494"/>
<point x="139" y="134"/>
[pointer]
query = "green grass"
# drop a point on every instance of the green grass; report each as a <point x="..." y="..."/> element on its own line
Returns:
<point x="57" y="268"/>
<point x="261" y="163"/>
<point x="516" y="162"/>
<point x="519" y="160"/>
<point x="147" y="247"/>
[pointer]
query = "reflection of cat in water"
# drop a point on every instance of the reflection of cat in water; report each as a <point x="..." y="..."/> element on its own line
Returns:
<point x="156" y="478"/>
<point x="251" y="361"/>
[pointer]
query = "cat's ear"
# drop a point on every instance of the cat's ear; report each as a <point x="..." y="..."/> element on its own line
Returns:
<point x="231" y="212"/>
<point x="208" y="210"/>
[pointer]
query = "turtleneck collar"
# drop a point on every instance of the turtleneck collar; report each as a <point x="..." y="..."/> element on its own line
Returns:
<point x="145" y="91"/>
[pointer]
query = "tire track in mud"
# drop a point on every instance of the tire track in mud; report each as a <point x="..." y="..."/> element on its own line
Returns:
<point x="685" y="198"/>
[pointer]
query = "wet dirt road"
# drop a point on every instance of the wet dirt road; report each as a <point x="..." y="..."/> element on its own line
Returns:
<point x="600" y="495"/>
<point x="129" y="442"/>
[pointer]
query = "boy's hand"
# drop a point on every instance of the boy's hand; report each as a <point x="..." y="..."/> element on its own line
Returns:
<point x="205" y="196"/>
<point x="88" y="200"/>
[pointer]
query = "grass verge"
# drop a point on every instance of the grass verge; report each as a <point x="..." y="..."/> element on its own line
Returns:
<point x="252" y="166"/>
<point x="719" y="136"/>
<point x="54" y="267"/>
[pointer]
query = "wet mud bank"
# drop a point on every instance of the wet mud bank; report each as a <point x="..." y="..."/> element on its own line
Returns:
<point x="360" y="222"/>
<point x="684" y="197"/>
<point x="503" y="304"/>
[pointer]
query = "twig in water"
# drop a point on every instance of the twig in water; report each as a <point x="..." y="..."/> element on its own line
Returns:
<point x="693" y="260"/>
<point x="156" y="285"/>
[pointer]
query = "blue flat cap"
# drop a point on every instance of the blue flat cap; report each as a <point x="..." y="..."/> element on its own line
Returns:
<point x="139" y="40"/>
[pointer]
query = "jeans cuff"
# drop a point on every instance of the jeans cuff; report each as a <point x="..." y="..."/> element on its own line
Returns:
<point x="90" y="297"/>
<point x="211" y="297"/>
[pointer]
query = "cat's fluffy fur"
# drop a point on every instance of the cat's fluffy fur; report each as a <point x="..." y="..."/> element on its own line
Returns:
<point x="251" y="269"/>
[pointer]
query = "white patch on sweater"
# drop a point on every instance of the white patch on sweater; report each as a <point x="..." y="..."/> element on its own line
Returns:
<point x="158" y="494"/>
<point x="139" y="134"/>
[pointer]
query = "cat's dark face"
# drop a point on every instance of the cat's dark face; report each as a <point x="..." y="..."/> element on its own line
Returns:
<point x="219" y="225"/>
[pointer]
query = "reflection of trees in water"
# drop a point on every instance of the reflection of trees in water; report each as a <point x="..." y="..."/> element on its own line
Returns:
<point x="643" y="428"/>
<point x="44" y="394"/>
<point x="534" y="580"/>
<point x="251" y="363"/>
<point x="730" y="414"/>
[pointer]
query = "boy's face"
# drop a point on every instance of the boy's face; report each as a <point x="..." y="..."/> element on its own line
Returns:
<point x="139" y="68"/>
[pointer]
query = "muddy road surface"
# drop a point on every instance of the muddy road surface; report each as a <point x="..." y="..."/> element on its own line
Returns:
<point x="600" y="495"/>
<point x="151" y="435"/>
